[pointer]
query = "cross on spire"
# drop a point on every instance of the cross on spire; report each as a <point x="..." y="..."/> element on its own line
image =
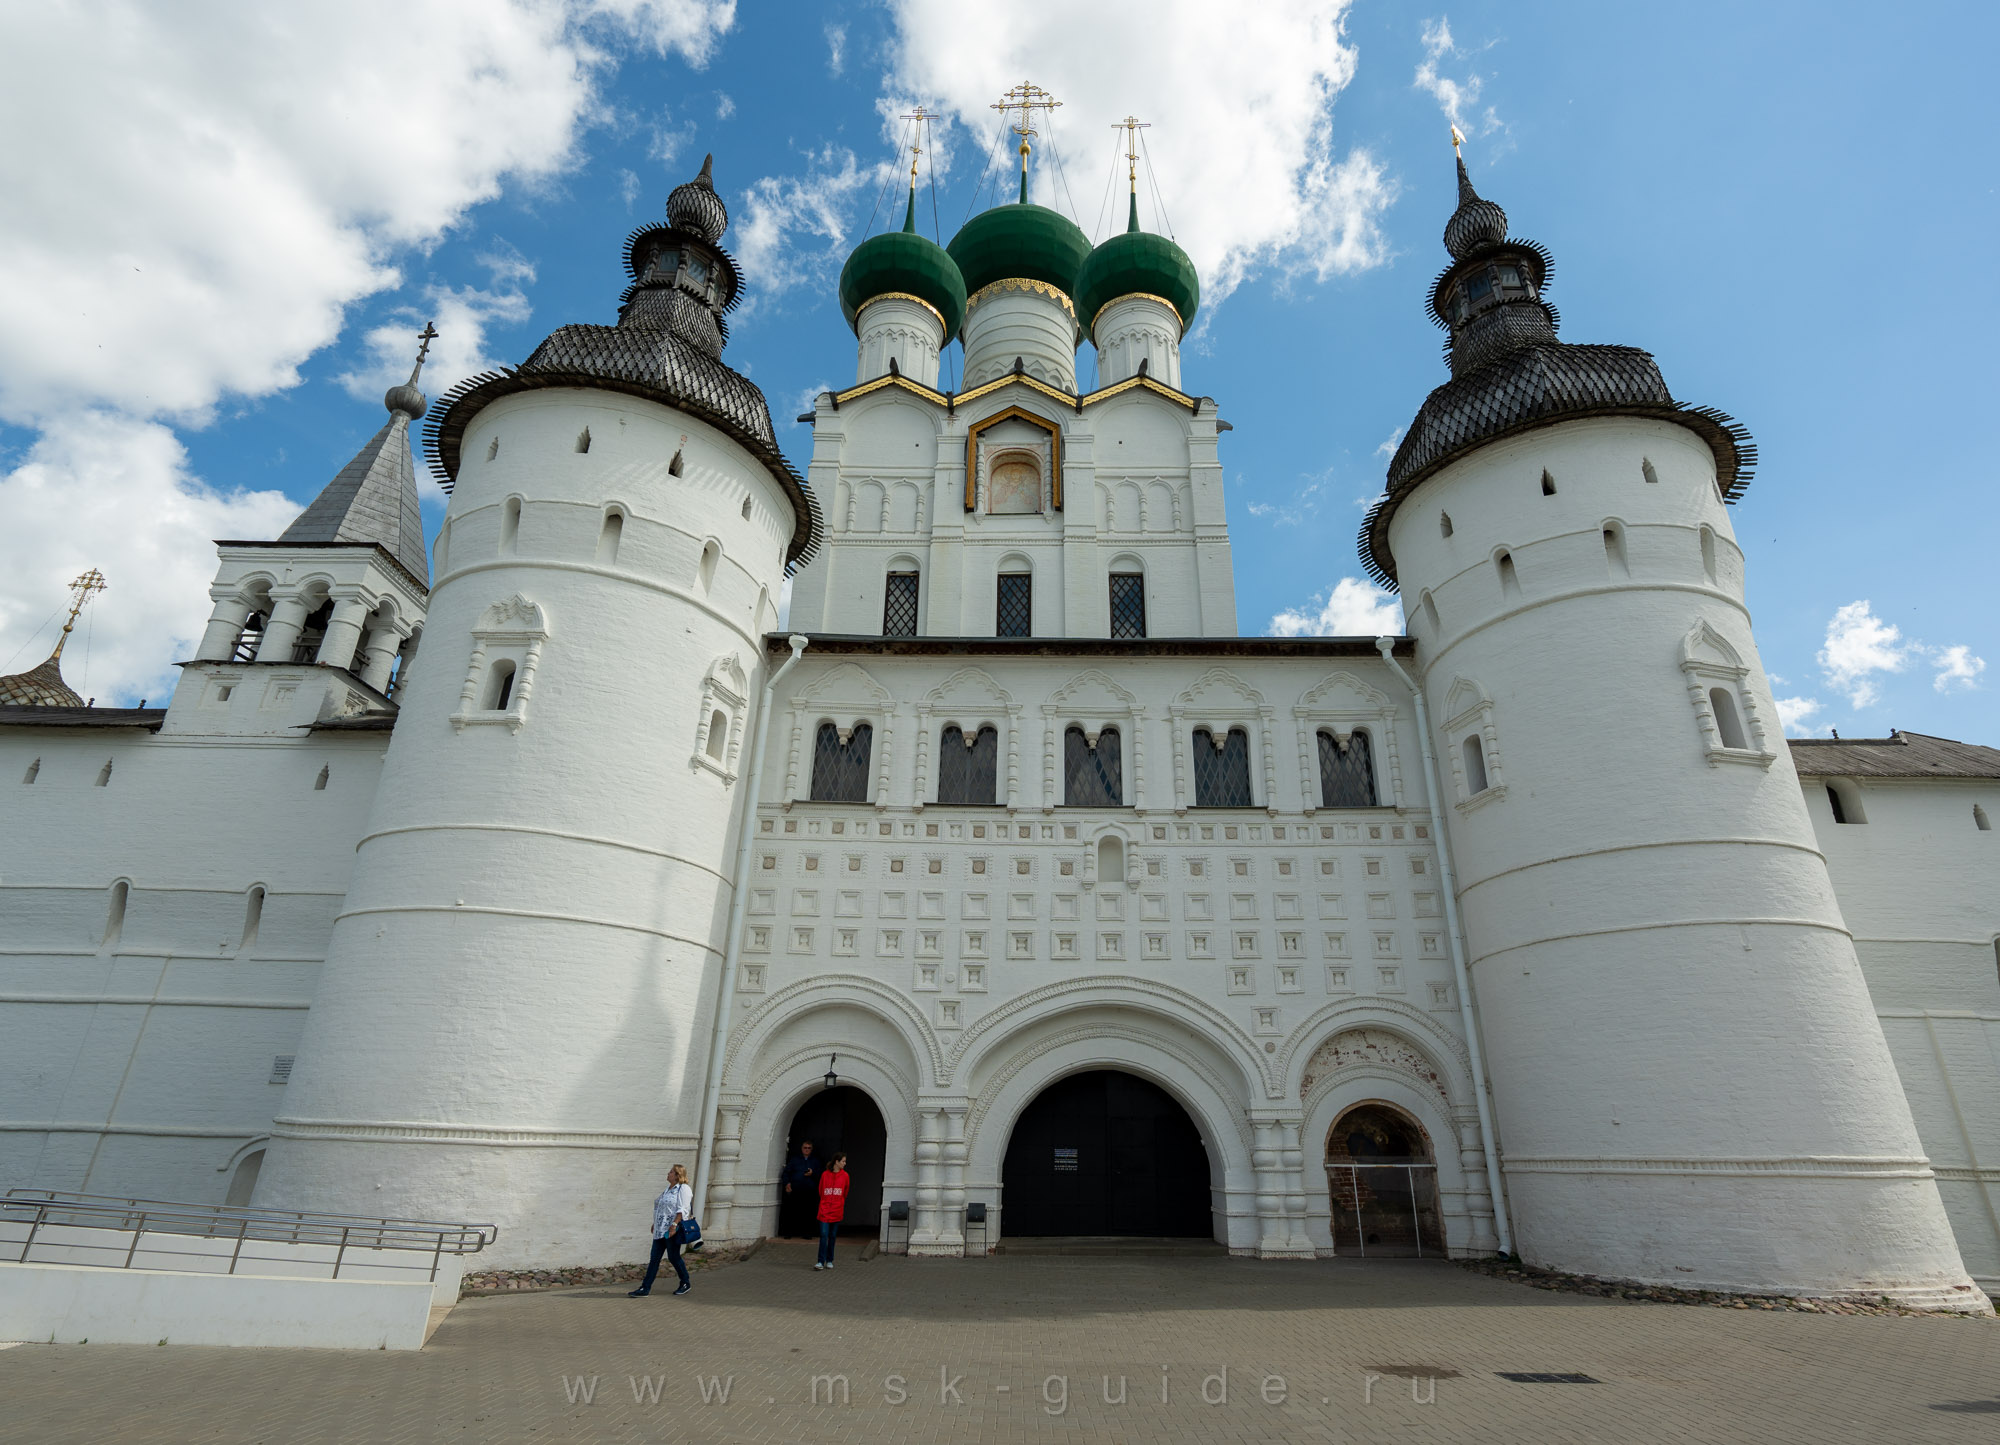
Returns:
<point x="1132" y="125"/>
<point x="90" y="582"/>
<point x="426" y="336"/>
<point x="1026" y="98"/>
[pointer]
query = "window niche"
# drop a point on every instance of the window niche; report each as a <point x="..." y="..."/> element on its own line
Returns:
<point x="840" y="762"/>
<point x="1725" y="708"/>
<point x="1348" y="757"/>
<point x="1222" y="730"/>
<point x="1473" y="747"/>
<point x="718" y="736"/>
<point x="1093" y="773"/>
<point x="500" y="674"/>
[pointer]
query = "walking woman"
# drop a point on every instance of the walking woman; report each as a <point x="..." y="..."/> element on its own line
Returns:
<point x="832" y="1207"/>
<point x="670" y="1210"/>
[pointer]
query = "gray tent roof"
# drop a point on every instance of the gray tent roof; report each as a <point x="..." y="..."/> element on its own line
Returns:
<point x="374" y="498"/>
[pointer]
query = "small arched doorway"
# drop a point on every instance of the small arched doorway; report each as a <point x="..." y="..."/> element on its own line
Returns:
<point x="1106" y="1153"/>
<point x="1382" y="1176"/>
<point x="839" y="1120"/>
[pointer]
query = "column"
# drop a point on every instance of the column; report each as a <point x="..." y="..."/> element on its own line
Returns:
<point x="721" y="1198"/>
<point x="281" y="633"/>
<point x="1276" y="1157"/>
<point x="343" y="631"/>
<point x="380" y="655"/>
<point x="951" y="1225"/>
<point x="225" y="625"/>
<point x="1484" y="1238"/>
<point x="930" y="1153"/>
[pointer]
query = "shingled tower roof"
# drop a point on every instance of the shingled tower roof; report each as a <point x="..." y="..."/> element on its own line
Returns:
<point x="374" y="498"/>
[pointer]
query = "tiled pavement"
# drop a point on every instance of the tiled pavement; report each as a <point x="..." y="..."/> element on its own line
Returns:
<point x="1027" y="1345"/>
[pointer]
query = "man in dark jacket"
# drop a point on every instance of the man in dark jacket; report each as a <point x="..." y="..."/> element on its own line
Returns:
<point x="798" y="1206"/>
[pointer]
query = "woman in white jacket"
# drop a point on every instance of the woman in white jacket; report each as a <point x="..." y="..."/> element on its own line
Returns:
<point x="669" y="1211"/>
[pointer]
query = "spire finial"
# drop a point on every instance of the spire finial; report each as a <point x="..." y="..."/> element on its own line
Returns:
<point x="424" y="340"/>
<point x="707" y="176"/>
<point x="90" y="582"/>
<point x="1027" y="98"/>
<point x="406" y="398"/>
<point x="919" y="118"/>
<point x="1132" y="125"/>
<point x="1457" y="140"/>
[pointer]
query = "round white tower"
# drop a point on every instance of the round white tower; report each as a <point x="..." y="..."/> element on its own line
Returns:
<point x="1690" y="1081"/>
<point x="902" y="294"/>
<point x="1019" y="263"/>
<point x="513" y="1018"/>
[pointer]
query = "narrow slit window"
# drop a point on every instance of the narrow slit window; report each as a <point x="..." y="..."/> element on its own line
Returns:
<point x="1646" y="470"/>
<point x="500" y="686"/>
<point x="746" y="509"/>
<point x="609" y="536"/>
<point x="1092" y="776"/>
<point x="1510" y="580"/>
<point x="969" y="767"/>
<point x="674" y="466"/>
<point x="840" y="767"/>
<point x="1614" y="550"/>
<point x="510" y="525"/>
<point x="710" y="555"/>
<point x="1728" y="726"/>
<point x="1548" y="484"/>
<point x="1980" y="820"/>
<point x="1474" y="752"/>
<point x="1346" y="771"/>
<point x="1128" y="605"/>
<point x="104" y="774"/>
<point x="1014" y="605"/>
<point x="899" y="605"/>
<point x="34" y="769"/>
<point x="718" y="734"/>
<point x="493" y="449"/>
<point x="114" y="918"/>
<point x="253" y="918"/>
<point x="1833" y="801"/>
<point x="1430" y="612"/>
<point x="1846" y="806"/>
<point x="1708" y="554"/>
<point x="1444" y="524"/>
<point x="583" y="440"/>
<point x="1221" y="769"/>
<point x="320" y="782"/>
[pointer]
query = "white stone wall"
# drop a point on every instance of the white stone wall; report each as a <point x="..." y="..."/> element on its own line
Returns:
<point x="1919" y="884"/>
<point x="900" y="329"/>
<point x="1690" y="1082"/>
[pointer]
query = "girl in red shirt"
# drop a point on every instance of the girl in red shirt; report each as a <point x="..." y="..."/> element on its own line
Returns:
<point x="832" y="1207"/>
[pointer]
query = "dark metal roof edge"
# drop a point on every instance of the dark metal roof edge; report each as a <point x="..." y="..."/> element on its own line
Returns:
<point x="1104" y="649"/>
<point x="448" y="420"/>
<point x="363" y="722"/>
<point x="1735" y="461"/>
<point x="18" y="716"/>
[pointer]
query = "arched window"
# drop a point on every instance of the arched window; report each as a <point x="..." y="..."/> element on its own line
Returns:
<point x="1708" y="554"/>
<point x="1110" y="859"/>
<point x="253" y="918"/>
<point x="1092" y="775"/>
<point x="1614" y="550"/>
<point x="243" y="1183"/>
<point x="1346" y="771"/>
<point x="34" y="769"/>
<point x="711" y="554"/>
<point x="1128" y="605"/>
<point x="1430" y="612"/>
<point x="500" y="685"/>
<point x="840" y="768"/>
<point x="1979" y="819"/>
<point x="718" y="734"/>
<point x="1845" y="804"/>
<point x="609" y="536"/>
<point x="583" y="440"/>
<point x="899" y="605"/>
<point x="1727" y="725"/>
<point x="1510" y="580"/>
<point x="969" y="767"/>
<point x="1474" y="752"/>
<point x="114" y="918"/>
<point x="510" y="525"/>
<point x="1014" y="605"/>
<point x="1221" y="772"/>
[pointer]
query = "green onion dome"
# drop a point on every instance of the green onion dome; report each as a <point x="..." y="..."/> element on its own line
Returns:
<point x="903" y="262"/>
<point x="1136" y="261"/>
<point x="1020" y="240"/>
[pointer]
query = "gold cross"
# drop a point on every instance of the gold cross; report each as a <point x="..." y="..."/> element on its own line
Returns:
<point x="89" y="582"/>
<point x="1026" y="98"/>
<point x="923" y="118"/>
<point x="1132" y="125"/>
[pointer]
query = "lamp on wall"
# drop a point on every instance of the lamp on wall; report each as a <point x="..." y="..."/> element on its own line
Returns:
<point x="831" y="1077"/>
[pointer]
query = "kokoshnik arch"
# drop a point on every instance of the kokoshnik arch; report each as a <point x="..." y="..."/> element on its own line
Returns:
<point x="1533" y="904"/>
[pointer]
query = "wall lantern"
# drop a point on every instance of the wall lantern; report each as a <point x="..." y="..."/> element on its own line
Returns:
<point x="831" y="1077"/>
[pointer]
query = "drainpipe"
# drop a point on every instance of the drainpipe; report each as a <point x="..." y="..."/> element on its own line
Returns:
<point x="1434" y="795"/>
<point x="738" y="906"/>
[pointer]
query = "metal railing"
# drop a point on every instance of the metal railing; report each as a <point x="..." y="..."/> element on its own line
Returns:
<point x="47" y="1211"/>
<point x="1412" y="1175"/>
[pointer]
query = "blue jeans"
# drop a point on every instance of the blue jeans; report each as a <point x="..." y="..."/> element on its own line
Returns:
<point x="828" y="1229"/>
<point x="671" y="1248"/>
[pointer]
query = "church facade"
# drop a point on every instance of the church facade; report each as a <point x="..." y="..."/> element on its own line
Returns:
<point x="1010" y="867"/>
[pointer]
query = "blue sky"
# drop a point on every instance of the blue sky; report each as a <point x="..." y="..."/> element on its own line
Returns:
<point x="1784" y="203"/>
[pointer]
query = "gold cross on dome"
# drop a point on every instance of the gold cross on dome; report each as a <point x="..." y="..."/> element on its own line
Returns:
<point x="922" y="118"/>
<point x="1132" y="125"/>
<point x="1027" y="98"/>
<point x="83" y="587"/>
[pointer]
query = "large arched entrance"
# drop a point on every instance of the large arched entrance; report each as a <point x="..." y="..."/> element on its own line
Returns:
<point x="1106" y="1153"/>
<point x="1382" y="1176"/>
<point x="838" y="1120"/>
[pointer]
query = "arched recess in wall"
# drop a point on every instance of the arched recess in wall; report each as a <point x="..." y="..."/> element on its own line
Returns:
<point x="711" y="555"/>
<point x="610" y="535"/>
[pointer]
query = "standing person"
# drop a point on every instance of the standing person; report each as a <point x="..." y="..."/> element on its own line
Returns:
<point x="832" y="1207"/>
<point x="799" y="1179"/>
<point x="669" y="1212"/>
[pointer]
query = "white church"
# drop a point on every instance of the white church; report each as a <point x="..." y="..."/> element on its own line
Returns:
<point x="1010" y="867"/>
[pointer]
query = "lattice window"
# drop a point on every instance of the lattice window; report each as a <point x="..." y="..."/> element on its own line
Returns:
<point x="899" y="606"/>
<point x="1221" y="774"/>
<point x="1014" y="605"/>
<point x="1346" y="774"/>
<point x="840" y="768"/>
<point x="1092" y="776"/>
<point x="969" y="768"/>
<point x="1128" y="604"/>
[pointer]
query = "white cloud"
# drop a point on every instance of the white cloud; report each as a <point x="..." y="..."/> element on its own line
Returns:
<point x="836" y="47"/>
<point x="1957" y="667"/>
<point x="1243" y="142"/>
<point x="1861" y="648"/>
<point x="1391" y="442"/>
<point x="724" y="107"/>
<point x="629" y="186"/>
<point x="1797" y="714"/>
<point x="106" y="491"/>
<point x="1458" y="99"/>
<point x="1302" y="503"/>
<point x="1353" y="608"/>
<point x="793" y="230"/>
<point x="209" y="188"/>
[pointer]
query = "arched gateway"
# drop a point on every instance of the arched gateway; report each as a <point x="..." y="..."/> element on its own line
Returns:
<point x="1106" y="1153"/>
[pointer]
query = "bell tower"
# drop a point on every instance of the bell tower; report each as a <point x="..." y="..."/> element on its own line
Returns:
<point x="1690" y="1082"/>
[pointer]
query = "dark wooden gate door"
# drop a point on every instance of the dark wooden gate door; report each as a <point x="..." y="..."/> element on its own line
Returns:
<point x="838" y="1119"/>
<point x="1106" y="1153"/>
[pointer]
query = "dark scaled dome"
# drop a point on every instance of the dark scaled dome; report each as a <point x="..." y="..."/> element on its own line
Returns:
<point x="903" y="262"/>
<point x="694" y="207"/>
<point x="1021" y="240"/>
<point x="1477" y="221"/>
<point x="1136" y="261"/>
